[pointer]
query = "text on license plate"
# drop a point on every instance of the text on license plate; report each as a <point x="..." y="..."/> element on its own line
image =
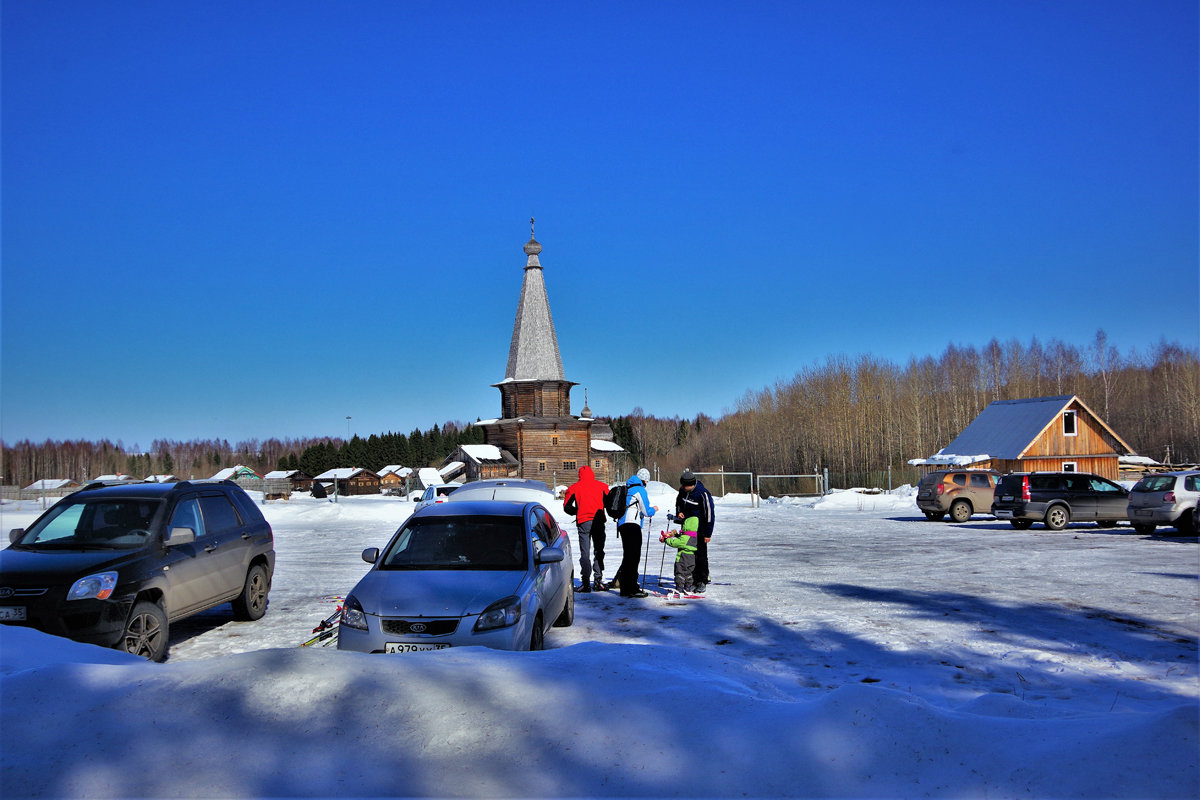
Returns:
<point x="12" y="613"/>
<point x="410" y="647"/>
<point x="1143" y="512"/>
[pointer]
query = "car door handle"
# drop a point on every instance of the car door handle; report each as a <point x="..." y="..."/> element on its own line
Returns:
<point x="210" y="548"/>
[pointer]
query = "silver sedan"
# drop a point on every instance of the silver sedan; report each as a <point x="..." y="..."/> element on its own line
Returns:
<point x="489" y="573"/>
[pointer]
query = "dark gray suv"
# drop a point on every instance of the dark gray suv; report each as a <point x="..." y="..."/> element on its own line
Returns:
<point x="116" y="565"/>
<point x="1058" y="499"/>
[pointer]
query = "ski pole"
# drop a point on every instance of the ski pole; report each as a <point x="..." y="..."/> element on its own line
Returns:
<point x="646" y="560"/>
<point x="658" y="583"/>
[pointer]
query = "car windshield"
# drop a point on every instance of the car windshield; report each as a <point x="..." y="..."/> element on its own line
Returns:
<point x="116" y="524"/>
<point x="459" y="542"/>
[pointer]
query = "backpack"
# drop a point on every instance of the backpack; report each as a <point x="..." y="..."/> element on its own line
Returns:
<point x="616" y="501"/>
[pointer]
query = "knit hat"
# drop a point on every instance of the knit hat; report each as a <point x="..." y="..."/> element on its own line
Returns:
<point x="687" y="478"/>
<point x="644" y="474"/>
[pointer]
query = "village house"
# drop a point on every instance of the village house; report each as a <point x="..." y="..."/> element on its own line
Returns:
<point x="393" y="478"/>
<point x="1048" y="434"/>
<point x="236" y="473"/>
<point x="350" y="481"/>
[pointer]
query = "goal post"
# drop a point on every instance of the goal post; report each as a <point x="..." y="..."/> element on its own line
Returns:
<point x="811" y="485"/>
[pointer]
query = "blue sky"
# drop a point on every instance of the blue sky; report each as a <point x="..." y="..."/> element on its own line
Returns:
<point x="247" y="220"/>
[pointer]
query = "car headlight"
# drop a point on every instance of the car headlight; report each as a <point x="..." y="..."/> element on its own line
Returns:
<point x="500" y="614"/>
<point x="94" y="587"/>
<point x="353" y="615"/>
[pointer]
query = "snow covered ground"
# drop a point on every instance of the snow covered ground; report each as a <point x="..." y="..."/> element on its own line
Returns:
<point x="848" y="648"/>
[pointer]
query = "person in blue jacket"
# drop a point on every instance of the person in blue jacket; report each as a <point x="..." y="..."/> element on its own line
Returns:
<point x="629" y="528"/>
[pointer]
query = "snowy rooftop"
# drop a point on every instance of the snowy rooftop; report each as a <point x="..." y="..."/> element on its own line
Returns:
<point x="606" y="445"/>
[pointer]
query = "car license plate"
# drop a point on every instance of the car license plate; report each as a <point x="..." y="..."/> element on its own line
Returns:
<point x="1001" y="514"/>
<point x="12" y="613"/>
<point x="409" y="647"/>
<point x="1006" y="498"/>
<point x="1143" y="512"/>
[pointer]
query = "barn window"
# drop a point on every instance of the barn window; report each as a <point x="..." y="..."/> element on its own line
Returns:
<point x="541" y="466"/>
<point x="554" y="441"/>
<point x="570" y="465"/>
<point x="1070" y="466"/>
<point x="1069" y="428"/>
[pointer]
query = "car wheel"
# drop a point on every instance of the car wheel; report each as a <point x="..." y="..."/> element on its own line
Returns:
<point x="537" y="641"/>
<point x="251" y="604"/>
<point x="1057" y="517"/>
<point x="1184" y="526"/>
<point x="567" y="617"/>
<point x="145" y="632"/>
<point x="960" y="511"/>
<point x="934" y="516"/>
<point x="1020" y="524"/>
<point x="1143" y="528"/>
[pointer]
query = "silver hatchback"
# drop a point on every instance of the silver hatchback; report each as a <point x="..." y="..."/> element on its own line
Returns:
<point x="1168" y="498"/>
<point x="487" y="573"/>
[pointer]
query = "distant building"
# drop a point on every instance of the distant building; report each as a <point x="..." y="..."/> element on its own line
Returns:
<point x="52" y="484"/>
<point x="350" y="480"/>
<point x="1049" y="434"/>
<point x="394" y="478"/>
<point x="536" y="434"/>
<point x="236" y="474"/>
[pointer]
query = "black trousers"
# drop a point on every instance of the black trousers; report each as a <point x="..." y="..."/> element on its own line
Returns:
<point x="701" y="573"/>
<point x="631" y="549"/>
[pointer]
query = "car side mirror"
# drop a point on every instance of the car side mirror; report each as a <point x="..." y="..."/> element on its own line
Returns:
<point x="14" y="534"/>
<point x="550" y="555"/>
<point x="370" y="555"/>
<point x="178" y="536"/>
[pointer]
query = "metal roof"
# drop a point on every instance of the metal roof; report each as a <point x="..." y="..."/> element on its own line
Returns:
<point x="1006" y="428"/>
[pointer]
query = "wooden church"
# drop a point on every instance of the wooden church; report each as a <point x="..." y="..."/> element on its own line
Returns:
<point x="536" y="427"/>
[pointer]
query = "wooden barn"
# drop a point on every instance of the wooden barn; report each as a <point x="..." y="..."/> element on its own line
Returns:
<point x="394" y="478"/>
<point x="536" y="434"/>
<point x="1048" y="434"/>
<point x="351" y="480"/>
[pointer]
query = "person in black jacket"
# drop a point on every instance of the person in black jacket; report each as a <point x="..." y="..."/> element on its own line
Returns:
<point x="694" y="500"/>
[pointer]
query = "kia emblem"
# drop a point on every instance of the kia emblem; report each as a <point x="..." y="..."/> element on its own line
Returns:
<point x="6" y="592"/>
<point x="417" y="627"/>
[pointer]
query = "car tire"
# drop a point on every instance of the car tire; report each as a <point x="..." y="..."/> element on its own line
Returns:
<point x="1184" y="526"/>
<point x="145" y="631"/>
<point x="1021" y="524"/>
<point x="1107" y="523"/>
<point x="567" y="617"/>
<point x="934" y="516"/>
<point x="1057" y="517"/>
<point x="1143" y="528"/>
<point x="960" y="511"/>
<point x="537" y="640"/>
<point x="251" y="604"/>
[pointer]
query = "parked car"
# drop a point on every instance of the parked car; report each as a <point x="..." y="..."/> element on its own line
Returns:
<point x="1168" y="498"/>
<point x="1058" y="499"/>
<point x="493" y="573"/>
<point x="116" y="565"/>
<point x="432" y="495"/>
<point x="961" y="492"/>
<point x="528" y="491"/>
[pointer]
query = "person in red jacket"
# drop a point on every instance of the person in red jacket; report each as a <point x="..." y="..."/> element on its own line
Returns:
<point x="585" y="499"/>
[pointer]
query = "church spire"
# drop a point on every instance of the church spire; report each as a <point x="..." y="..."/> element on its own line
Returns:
<point x="533" y="353"/>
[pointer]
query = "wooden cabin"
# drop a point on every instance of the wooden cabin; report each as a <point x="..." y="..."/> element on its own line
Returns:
<point x="1042" y="434"/>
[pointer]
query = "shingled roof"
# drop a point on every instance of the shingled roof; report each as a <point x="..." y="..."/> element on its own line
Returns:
<point x="533" y="353"/>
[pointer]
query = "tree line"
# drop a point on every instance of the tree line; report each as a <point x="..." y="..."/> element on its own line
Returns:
<point x="80" y="460"/>
<point x="855" y="416"/>
<point x="863" y="416"/>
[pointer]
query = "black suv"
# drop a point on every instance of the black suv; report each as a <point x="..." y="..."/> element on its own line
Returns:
<point x="114" y="565"/>
<point x="1058" y="499"/>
